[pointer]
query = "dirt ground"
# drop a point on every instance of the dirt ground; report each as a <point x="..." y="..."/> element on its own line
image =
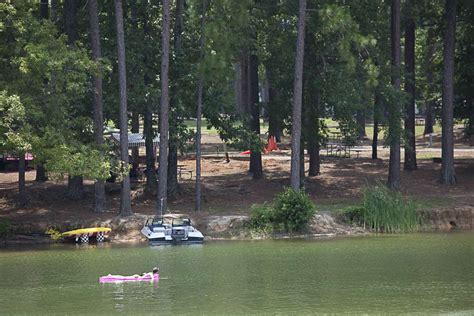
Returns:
<point x="228" y="189"/>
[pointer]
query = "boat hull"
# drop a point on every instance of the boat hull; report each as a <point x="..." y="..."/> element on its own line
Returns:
<point x="172" y="235"/>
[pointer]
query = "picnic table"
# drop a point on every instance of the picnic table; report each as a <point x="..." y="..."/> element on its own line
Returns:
<point x="182" y="170"/>
<point x="337" y="149"/>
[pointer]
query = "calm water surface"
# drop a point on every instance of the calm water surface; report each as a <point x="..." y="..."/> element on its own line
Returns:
<point x="421" y="273"/>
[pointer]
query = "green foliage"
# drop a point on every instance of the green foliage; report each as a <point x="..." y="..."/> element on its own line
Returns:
<point x="54" y="233"/>
<point x="13" y="131"/>
<point x="5" y="229"/>
<point x="290" y="210"/>
<point x="293" y="210"/>
<point x="387" y="211"/>
<point x="85" y="161"/>
<point x="353" y="215"/>
<point x="261" y="217"/>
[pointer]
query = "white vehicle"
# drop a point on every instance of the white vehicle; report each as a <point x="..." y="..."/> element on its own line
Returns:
<point x="171" y="229"/>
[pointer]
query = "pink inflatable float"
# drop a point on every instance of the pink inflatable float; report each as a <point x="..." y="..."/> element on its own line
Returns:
<point x="122" y="278"/>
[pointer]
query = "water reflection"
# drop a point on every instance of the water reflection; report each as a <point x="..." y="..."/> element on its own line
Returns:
<point x="99" y="245"/>
<point x="124" y="295"/>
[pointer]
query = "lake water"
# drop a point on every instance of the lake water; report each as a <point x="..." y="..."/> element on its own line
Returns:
<point x="417" y="273"/>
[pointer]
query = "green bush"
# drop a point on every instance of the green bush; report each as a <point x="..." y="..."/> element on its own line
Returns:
<point x="352" y="215"/>
<point x="290" y="210"/>
<point x="54" y="233"/>
<point x="387" y="211"/>
<point x="5" y="229"/>
<point x="293" y="210"/>
<point x="261" y="216"/>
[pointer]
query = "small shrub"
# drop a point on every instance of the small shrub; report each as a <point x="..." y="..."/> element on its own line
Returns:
<point x="293" y="210"/>
<point x="5" y="229"/>
<point x="353" y="215"/>
<point x="261" y="217"/>
<point x="54" y="234"/>
<point x="387" y="211"/>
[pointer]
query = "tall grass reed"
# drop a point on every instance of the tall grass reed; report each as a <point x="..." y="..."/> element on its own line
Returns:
<point x="388" y="211"/>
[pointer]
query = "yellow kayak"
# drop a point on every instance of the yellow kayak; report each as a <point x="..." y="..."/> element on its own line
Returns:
<point x="83" y="234"/>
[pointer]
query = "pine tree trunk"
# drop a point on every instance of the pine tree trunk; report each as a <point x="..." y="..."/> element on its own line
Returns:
<point x="429" y="117"/>
<point x="295" y="176"/>
<point x="75" y="188"/>
<point x="244" y="107"/>
<point x="410" y="144"/>
<point x="274" y="121"/>
<point x="99" y="185"/>
<point x="125" y="199"/>
<point x="22" y="197"/>
<point x="360" y="118"/>
<point x="135" y="150"/>
<point x="75" y="184"/>
<point x="255" y="155"/>
<point x="164" y="111"/>
<point x="41" y="175"/>
<point x="44" y="9"/>
<point x="429" y="104"/>
<point x="313" y="137"/>
<point x="70" y="21"/>
<point x="375" y="137"/>
<point x="302" y="169"/>
<point x="173" y="186"/>
<point x="150" y="186"/>
<point x="198" y="205"/>
<point x="448" y="175"/>
<point x="54" y="11"/>
<point x="394" y="119"/>
<point x="151" y="181"/>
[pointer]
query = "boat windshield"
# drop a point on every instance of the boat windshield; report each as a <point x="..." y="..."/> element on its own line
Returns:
<point x="181" y="222"/>
<point x="157" y="222"/>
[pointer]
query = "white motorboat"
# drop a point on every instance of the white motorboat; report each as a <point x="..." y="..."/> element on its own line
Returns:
<point x="171" y="229"/>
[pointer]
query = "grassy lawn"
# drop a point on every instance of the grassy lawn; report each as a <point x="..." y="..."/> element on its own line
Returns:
<point x="331" y="124"/>
<point x="191" y="124"/>
<point x="369" y="130"/>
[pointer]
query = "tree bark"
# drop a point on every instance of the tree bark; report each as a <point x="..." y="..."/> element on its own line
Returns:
<point x="125" y="199"/>
<point x="394" y="123"/>
<point x="297" y="96"/>
<point x="375" y="137"/>
<point x="173" y="186"/>
<point x="255" y="155"/>
<point x="360" y="118"/>
<point x="44" y="9"/>
<point x="75" y="188"/>
<point x="54" y="11"/>
<point x="199" y="110"/>
<point x="410" y="143"/>
<point x="99" y="185"/>
<point x="151" y="181"/>
<point x="164" y="111"/>
<point x="313" y="137"/>
<point x="448" y="175"/>
<point x="150" y="186"/>
<point x="135" y="150"/>
<point x="302" y="170"/>
<point x="274" y="120"/>
<point x="41" y="175"/>
<point x="70" y="21"/>
<point x="22" y="197"/>
<point x="429" y="103"/>
<point x="244" y="82"/>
